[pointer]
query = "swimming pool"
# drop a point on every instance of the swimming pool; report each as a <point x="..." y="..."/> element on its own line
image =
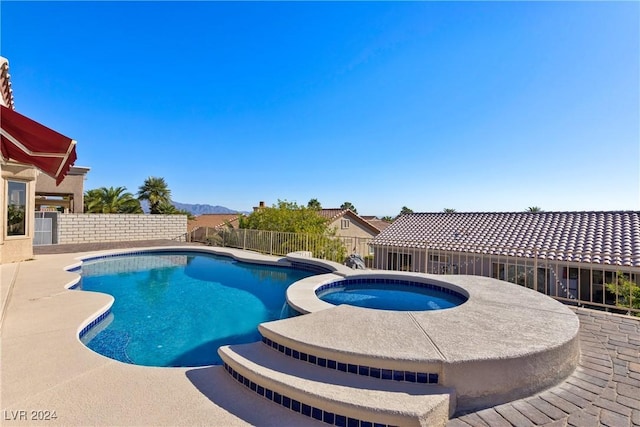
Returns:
<point x="177" y="308"/>
<point x="390" y="294"/>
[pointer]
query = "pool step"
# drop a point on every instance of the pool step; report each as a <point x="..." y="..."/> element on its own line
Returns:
<point x="369" y="368"/>
<point x="361" y="347"/>
<point x="336" y="397"/>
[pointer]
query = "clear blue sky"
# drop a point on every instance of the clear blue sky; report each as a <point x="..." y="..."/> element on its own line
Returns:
<point x="481" y="106"/>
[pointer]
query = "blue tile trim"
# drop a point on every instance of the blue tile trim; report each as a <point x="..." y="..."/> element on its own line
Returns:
<point x="94" y="322"/>
<point x="300" y="407"/>
<point x="78" y="269"/>
<point x="384" y="281"/>
<point x="310" y="267"/>
<point x="367" y="371"/>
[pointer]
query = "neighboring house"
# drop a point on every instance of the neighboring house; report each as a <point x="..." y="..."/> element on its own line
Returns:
<point x="355" y="231"/>
<point x="27" y="147"/>
<point x="565" y="254"/>
<point x="197" y="227"/>
<point x="68" y="197"/>
<point x="376" y="222"/>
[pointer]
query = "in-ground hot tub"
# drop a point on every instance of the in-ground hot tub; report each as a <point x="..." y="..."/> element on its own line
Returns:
<point x="504" y="343"/>
<point x="390" y="294"/>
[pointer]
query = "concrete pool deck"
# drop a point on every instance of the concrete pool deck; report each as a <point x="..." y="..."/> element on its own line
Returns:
<point x="46" y="368"/>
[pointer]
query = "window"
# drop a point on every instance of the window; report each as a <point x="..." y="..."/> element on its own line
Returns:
<point x="16" y="208"/>
<point x="344" y="223"/>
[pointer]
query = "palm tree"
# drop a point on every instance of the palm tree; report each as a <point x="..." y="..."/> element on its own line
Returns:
<point x="169" y="209"/>
<point x="156" y="192"/>
<point x="111" y="200"/>
<point x="92" y="198"/>
<point x="449" y="210"/>
<point x="533" y="209"/>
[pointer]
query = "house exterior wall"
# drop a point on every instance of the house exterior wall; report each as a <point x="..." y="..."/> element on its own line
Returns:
<point x="354" y="230"/>
<point x="356" y="237"/>
<point x="73" y="183"/>
<point x="17" y="248"/>
<point x="89" y="228"/>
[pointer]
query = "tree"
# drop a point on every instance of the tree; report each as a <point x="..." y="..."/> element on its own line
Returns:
<point x="533" y="209"/>
<point x="387" y="218"/>
<point x="286" y="216"/>
<point x="627" y="292"/>
<point x="156" y="192"/>
<point x="405" y="210"/>
<point x="349" y="205"/>
<point x="111" y="200"/>
<point x="449" y="210"/>
<point x="289" y="217"/>
<point x="15" y="220"/>
<point x="314" y="204"/>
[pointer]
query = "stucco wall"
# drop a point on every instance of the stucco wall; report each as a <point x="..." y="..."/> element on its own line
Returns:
<point x="356" y="237"/>
<point x="73" y="183"/>
<point x="17" y="248"/>
<point x="89" y="228"/>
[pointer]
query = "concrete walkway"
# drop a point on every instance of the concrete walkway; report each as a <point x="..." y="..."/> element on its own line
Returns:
<point x="604" y="389"/>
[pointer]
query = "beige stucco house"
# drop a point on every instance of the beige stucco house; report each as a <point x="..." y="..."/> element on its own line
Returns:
<point x="355" y="231"/>
<point x="17" y="190"/>
<point x="27" y="149"/>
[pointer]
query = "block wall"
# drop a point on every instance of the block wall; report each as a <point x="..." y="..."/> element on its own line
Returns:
<point x="90" y="228"/>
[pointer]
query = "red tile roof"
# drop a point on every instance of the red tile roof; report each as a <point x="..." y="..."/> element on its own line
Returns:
<point x="590" y="237"/>
<point x="213" y="221"/>
<point x="333" y="214"/>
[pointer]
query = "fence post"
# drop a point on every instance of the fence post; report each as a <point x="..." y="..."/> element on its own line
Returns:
<point x="271" y="243"/>
<point x="244" y="240"/>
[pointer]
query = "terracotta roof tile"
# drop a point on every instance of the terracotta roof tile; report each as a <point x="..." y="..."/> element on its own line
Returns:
<point x="213" y="221"/>
<point x="378" y="223"/>
<point x="332" y="214"/>
<point x="595" y="237"/>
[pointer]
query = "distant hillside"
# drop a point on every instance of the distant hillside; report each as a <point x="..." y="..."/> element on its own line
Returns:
<point x="199" y="209"/>
<point x="196" y="209"/>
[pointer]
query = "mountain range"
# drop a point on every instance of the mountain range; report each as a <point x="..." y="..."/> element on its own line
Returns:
<point x="195" y="209"/>
<point x="200" y="209"/>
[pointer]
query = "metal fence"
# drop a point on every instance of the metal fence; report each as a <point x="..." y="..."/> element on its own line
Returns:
<point x="331" y="248"/>
<point x="582" y="278"/>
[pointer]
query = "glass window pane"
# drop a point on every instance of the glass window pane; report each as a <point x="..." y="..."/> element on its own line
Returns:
<point x="16" y="208"/>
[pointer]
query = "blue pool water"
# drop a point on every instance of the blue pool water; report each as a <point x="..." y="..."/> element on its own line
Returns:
<point x="382" y="295"/>
<point x="176" y="309"/>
